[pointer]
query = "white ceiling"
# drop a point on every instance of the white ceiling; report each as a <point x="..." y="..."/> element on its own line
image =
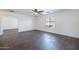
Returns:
<point x="29" y="11"/>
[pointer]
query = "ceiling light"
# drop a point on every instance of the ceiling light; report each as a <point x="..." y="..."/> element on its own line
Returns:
<point x="35" y="13"/>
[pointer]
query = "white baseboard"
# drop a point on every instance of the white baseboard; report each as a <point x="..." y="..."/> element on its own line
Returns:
<point x="61" y="34"/>
<point x="26" y="30"/>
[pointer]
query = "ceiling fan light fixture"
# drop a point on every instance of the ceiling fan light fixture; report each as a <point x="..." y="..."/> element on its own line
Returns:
<point x="35" y="13"/>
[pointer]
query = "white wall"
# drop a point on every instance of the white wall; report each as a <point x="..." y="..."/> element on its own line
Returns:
<point x="0" y="26"/>
<point x="9" y="22"/>
<point x="1" y="30"/>
<point x="25" y="22"/>
<point x="67" y="23"/>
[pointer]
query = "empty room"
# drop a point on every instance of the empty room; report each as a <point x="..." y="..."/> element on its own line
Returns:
<point x="39" y="29"/>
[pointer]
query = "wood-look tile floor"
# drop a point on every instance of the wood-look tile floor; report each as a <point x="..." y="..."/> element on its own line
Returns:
<point x="36" y="40"/>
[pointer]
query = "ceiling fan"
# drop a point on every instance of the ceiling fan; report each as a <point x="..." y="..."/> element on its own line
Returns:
<point x="36" y="11"/>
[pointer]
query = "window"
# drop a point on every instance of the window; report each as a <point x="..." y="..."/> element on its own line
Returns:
<point x="50" y="22"/>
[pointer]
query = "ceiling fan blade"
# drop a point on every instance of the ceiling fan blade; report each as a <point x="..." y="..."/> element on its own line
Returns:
<point x="34" y="10"/>
<point x="40" y="11"/>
